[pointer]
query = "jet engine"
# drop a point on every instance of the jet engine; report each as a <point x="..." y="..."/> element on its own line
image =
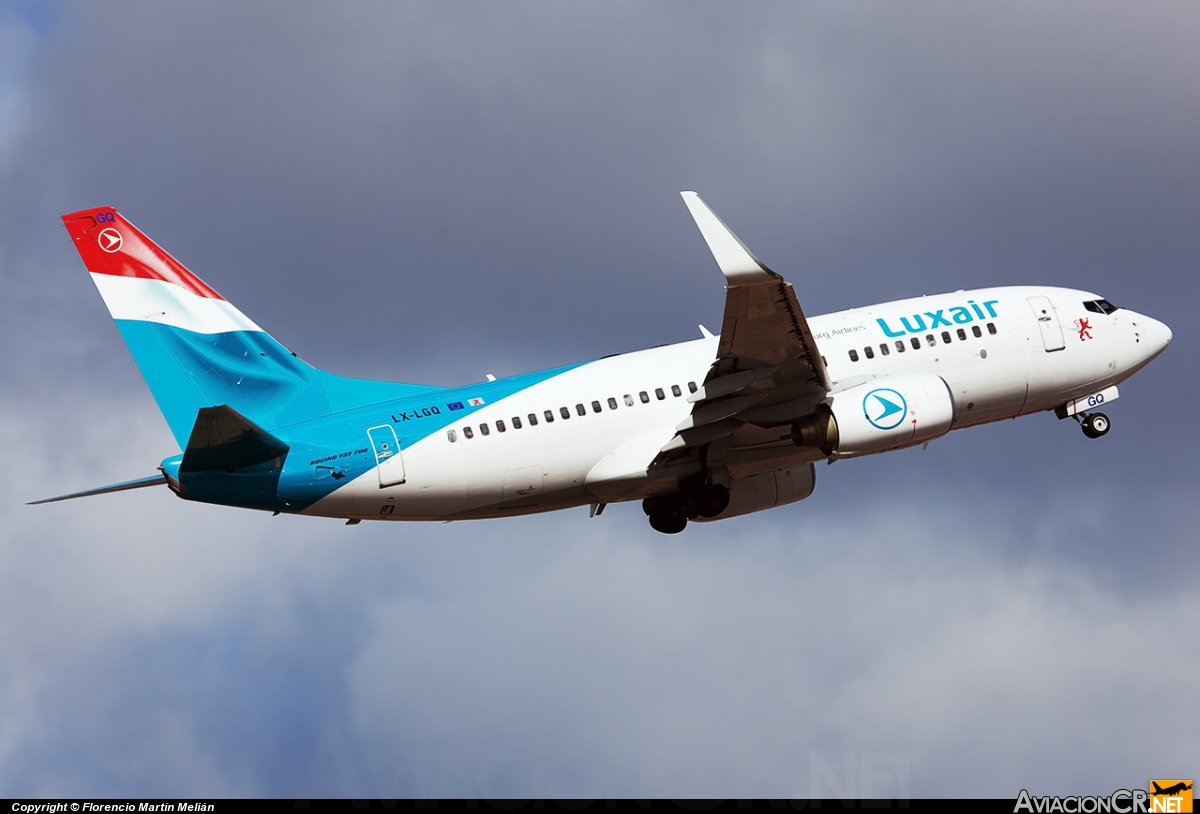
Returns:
<point x="766" y="490"/>
<point x="885" y="413"/>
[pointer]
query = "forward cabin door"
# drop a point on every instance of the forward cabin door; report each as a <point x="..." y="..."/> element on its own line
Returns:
<point x="1047" y="319"/>
<point x="388" y="460"/>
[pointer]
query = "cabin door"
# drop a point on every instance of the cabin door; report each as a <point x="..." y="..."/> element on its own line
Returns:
<point x="388" y="460"/>
<point x="1047" y="320"/>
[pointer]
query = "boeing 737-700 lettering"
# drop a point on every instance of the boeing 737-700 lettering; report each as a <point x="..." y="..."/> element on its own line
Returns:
<point x="702" y="430"/>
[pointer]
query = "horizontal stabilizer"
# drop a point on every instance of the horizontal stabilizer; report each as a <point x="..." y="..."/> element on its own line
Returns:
<point x="223" y="439"/>
<point x="157" y="480"/>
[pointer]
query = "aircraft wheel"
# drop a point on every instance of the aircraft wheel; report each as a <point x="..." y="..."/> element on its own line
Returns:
<point x="662" y="504"/>
<point x="1096" y="425"/>
<point x="668" y="522"/>
<point x="711" y="500"/>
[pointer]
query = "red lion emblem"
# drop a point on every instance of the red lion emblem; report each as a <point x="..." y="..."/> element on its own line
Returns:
<point x="1084" y="328"/>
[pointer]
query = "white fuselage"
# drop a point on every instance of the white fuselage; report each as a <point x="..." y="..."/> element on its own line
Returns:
<point x="1007" y="355"/>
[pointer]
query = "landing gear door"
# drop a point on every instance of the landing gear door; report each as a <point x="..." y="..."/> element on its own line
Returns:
<point x="1047" y="320"/>
<point x="388" y="460"/>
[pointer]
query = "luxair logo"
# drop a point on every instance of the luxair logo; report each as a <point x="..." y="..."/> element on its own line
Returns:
<point x="885" y="408"/>
<point x="943" y="317"/>
<point x="1164" y="796"/>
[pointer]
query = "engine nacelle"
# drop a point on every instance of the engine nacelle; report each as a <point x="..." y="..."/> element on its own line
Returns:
<point x="886" y="413"/>
<point x="766" y="490"/>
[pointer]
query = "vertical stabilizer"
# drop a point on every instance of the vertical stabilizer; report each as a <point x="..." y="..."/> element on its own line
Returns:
<point x="196" y="350"/>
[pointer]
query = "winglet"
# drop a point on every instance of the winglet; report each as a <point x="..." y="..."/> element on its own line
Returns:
<point x="738" y="263"/>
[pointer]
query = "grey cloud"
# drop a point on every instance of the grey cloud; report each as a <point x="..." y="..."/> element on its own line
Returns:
<point x="433" y="192"/>
<point x="233" y="653"/>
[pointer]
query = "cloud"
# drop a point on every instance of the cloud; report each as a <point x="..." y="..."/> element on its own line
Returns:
<point x="1007" y="609"/>
<point x="233" y="653"/>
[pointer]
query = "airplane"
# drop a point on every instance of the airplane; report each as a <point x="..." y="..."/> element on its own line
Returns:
<point x="1170" y="791"/>
<point x="703" y="430"/>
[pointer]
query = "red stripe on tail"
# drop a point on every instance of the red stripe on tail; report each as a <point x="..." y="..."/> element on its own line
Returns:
<point x="109" y="244"/>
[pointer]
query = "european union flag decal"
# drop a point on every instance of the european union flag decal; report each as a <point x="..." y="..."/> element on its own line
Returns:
<point x="455" y="405"/>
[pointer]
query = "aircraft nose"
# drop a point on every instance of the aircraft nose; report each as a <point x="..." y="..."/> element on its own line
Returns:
<point x="1157" y="335"/>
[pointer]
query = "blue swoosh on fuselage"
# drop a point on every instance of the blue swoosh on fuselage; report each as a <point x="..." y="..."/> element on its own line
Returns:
<point x="339" y="443"/>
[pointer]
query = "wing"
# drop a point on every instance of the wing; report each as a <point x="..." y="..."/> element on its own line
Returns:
<point x="768" y="371"/>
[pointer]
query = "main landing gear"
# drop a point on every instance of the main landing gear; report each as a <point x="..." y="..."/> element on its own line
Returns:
<point x="1095" y="425"/>
<point x="670" y="513"/>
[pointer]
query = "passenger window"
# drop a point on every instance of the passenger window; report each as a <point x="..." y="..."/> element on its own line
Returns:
<point x="468" y="433"/>
<point x="483" y="429"/>
<point x="824" y="361"/>
<point x="549" y="417"/>
<point x="992" y="328"/>
<point x="962" y="333"/>
<point x="580" y="409"/>
<point x="659" y="394"/>
<point x="691" y="387"/>
<point x="869" y="352"/>
<point x="946" y="337"/>
<point x="564" y="412"/>
<point x="595" y="406"/>
<point x="900" y="346"/>
<point x="516" y="422"/>
<point x="975" y="330"/>
<point x="500" y="425"/>
<point x="452" y="435"/>
<point x="532" y="419"/>
<point x="612" y="404"/>
<point x="916" y="343"/>
<point x="628" y="400"/>
<point x="884" y="349"/>
<point x="675" y="391"/>
<point x="853" y="355"/>
<point x="930" y="340"/>
<point x="644" y="396"/>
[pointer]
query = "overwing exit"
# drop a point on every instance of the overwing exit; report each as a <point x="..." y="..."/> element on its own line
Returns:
<point x="703" y="430"/>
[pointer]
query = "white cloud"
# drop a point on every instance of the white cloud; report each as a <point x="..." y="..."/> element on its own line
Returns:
<point x="557" y="654"/>
<point x="1016" y="617"/>
<point x="722" y="665"/>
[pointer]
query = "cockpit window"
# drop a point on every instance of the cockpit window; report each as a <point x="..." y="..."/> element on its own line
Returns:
<point x="1100" y="306"/>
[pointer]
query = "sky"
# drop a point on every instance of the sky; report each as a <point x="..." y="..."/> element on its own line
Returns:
<point x="432" y="192"/>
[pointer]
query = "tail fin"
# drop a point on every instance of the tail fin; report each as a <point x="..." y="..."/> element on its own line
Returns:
<point x="196" y="350"/>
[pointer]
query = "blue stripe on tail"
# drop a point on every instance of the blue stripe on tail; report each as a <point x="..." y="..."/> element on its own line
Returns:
<point x="247" y="370"/>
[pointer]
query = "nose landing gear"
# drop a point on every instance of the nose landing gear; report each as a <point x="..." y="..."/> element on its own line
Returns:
<point x="1095" y="425"/>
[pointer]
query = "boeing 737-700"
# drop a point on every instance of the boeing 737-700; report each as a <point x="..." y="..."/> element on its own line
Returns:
<point x="701" y="430"/>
